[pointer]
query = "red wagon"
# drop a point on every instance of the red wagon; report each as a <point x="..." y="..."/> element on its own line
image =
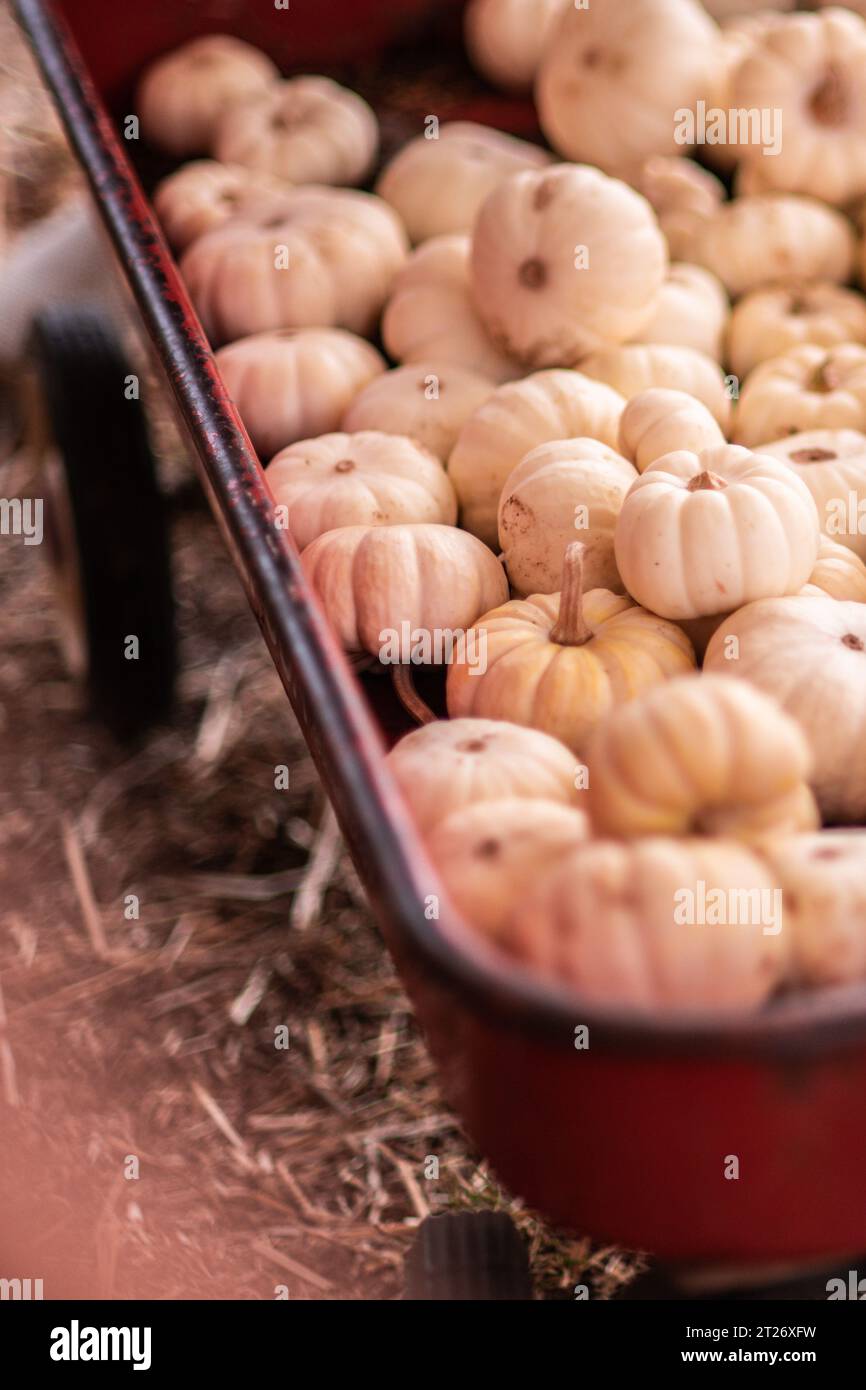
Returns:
<point x="626" y="1140"/>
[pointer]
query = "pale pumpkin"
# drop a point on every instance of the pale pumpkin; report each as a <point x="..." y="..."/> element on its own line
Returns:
<point x="295" y="383"/>
<point x="808" y="388"/>
<point x="437" y="182"/>
<point x="656" y="924"/>
<point x="308" y="130"/>
<point x="518" y="417"/>
<point x="838" y="573"/>
<point x="701" y="755"/>
<point x="611" y="80"/>
<point x="182" y="95"/>
<point x="330" y="262"/>
<point x="565" y="261"/>
<point x="659" y="421"/>
<point x="770" y="322"/>
<point x="456" y="763"/>
<point x="506" y="38"/>
<point x="204" y="195"/>
<point x="486" y="854"/>
<point x="772" y="239"/>
<point x="374" y="579"/>
<point x="832" y="464"/>
<point x="430" y="316"/>
<point x="691" y="311"/>
<point x="428" y="400"/>
<point x="810" y="654"/>
<point x="635" y="368"/>
<point x="561" y="662"/>
<point x="682" y="195"/>
<point x="568" y="490"/>
<point x="705" y="533"/>
<point x="823" y="882"/>
<point x="812" y="70"/>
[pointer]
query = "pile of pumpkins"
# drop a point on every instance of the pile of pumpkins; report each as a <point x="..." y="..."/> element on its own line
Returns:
<point x="622" y="452"/>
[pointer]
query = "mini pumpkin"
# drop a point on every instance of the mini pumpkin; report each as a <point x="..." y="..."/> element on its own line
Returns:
<point x="506" y="38"/>
<point x="655" y="924"/>
<point x="487" y="853"/>
<point x="703" y="755"/>
<point x="595" y="100"/>
<point x="366" y="479"/>
<point x="430" y="316"/>
<point x="705" y="533"/>
<point x="374" y="579"/>
<point x="437" y="182"/>
<point x="204" y="195"/>
<point x="561" y="662"/>
<point x="682" y="195"/>
<point x="809" y="388"/>
<point x="635" y="368"/>
<point x="428" y="400"/>
<point x="182" y="95"/>
<point x="455" y="763"/>
<point x="308" y="129"/>
<point x="565" y="261"/>
<point x="809" y="654"/>
<point x="659" y="421"/>
<point x="770" y="322"/>
<point x="329" y="262"/>
<point x="691" y="311"/>
<point x="838" y="573"/>
<point x="568" y="490"/>
<point x="774" y="239"/>
<point x="823" y="881"/>
<point x="295" y="383"/>
<point x="518" y="417"/>
<point x="832" y="464"/>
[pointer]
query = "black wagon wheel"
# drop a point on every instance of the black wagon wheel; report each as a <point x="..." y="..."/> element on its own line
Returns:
<point x="468" y="1255"/>
<point x="105" y="520"/>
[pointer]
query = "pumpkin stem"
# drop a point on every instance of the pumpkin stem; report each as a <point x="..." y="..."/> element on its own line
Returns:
<point x="706" y="482"/>
<point x="571" y="628"/>
<point x="408" y="696"/>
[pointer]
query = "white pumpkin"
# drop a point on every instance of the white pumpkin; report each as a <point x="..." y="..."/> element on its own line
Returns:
<point x="809" y="388"/>
<point x="610" y="82"/>
<point x="772" y="239"/>
<point x="659" y="421"/>
<point x="770" y="322"/>
<point x="656" y="924"/>
<point x="437" y="183"/>
<point x="705" y="533"/>
<point x="329" y="263"/>
<point x="182" y="95"/>
<point x="456" y="763"/>
<point x="565" y="261"/>
<point x="636" y="368"/>
<point x="204" y="195"/>
<point x="367" y="479"/>
<point x="429" y="401"/>
<point x="691" y="311"/>
<point x="823" y="882"/>
<point x="486" y="853"/>
<point x="295" y="382"/>
<point x="700" y="755"/>
<point x="810" y="654"/>
<point x="430" y="316"/>
<point x="308" y="129"/>
<point x="811" y="69"/>
<point x="518" y="417"/>
<point x="506" y="38"/>
<point x="837" y="573"/>
<point x="682" y="195"/>
<point x="568" y="490"/>
<point x="832" y="464"/>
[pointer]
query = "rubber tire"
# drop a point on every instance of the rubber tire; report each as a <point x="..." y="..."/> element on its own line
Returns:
<point x="468" y="1255"/>
<point x="118" y="517"/>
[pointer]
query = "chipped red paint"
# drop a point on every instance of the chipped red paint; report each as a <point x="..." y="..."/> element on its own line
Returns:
<point x="625" y="1141"/>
